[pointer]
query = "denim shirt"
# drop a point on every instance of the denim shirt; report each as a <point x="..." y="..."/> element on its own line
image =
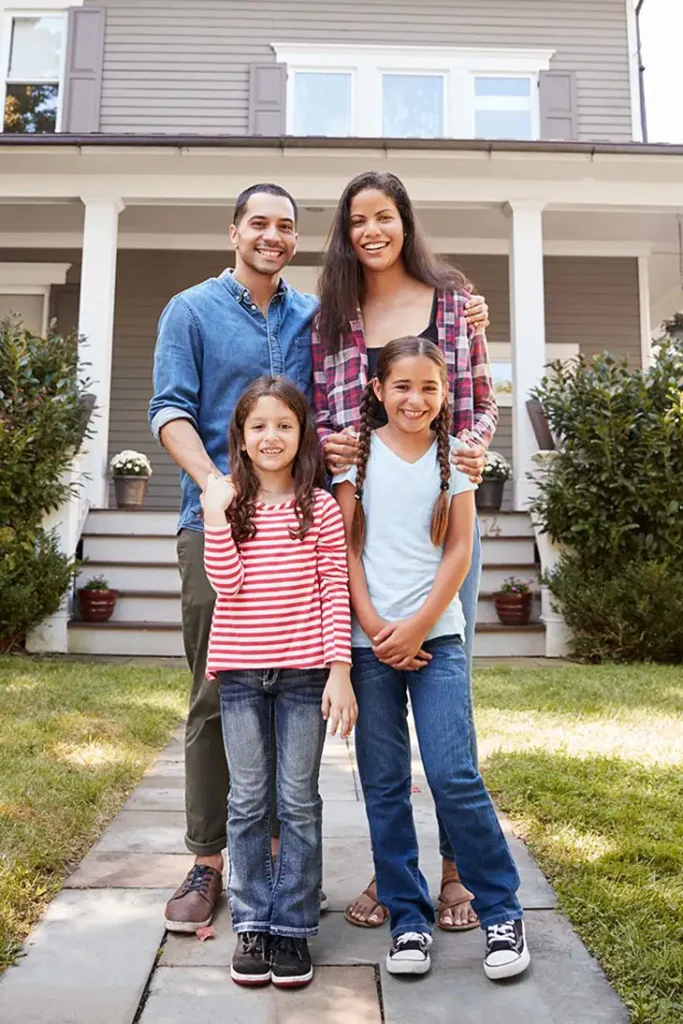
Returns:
<point x="213" y="341"/>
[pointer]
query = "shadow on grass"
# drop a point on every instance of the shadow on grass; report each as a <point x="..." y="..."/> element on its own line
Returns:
<point x="609" y="836"/>
<point x="586" y="689"/>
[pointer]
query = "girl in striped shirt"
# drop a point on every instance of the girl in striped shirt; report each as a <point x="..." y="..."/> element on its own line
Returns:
<point x="280" y="647"/>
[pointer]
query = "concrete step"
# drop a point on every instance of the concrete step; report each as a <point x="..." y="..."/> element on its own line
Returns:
<point x="504" y="550"/>
<point x="147" y="606"/>
<point x="505" y="524"/>
<point x="497" y="641"/>
<point x="117" y="521"/>
<point x="157" y="639"/>
<point x="163" y="639"/>
<point x="140" y="576"/>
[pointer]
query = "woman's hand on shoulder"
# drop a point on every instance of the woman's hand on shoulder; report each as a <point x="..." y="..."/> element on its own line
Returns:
<point x="477" y="312"/>
<point x="399" y="644"/>
<point x="339" y="706"/>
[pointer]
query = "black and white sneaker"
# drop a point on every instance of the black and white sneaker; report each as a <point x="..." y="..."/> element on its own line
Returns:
<point x="291" y="965"/>
<point x="251" y="959"/>
<point x="324" y="902"/>
<point x="507" y="953"/>
<point x="409" y="954"/>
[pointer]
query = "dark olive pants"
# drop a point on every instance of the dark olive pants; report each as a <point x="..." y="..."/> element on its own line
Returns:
<point x="206" y="770"/>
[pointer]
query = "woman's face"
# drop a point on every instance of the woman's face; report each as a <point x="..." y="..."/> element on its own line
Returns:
<point x="376" y="231"/>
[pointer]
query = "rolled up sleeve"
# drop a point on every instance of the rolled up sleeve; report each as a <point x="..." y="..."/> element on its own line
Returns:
<point x="177" y="367"/>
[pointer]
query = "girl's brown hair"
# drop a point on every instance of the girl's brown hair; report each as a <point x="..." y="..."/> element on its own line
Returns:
<point x="369" y="409"/>
<point x="341" y="280"/>
<point x="308" y="470"/>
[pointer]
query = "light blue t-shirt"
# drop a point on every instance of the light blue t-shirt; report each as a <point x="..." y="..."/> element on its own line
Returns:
<point x="399" y="558"/>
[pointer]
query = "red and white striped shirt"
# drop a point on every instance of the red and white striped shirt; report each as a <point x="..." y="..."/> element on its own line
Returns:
<point x="281" y="603"/>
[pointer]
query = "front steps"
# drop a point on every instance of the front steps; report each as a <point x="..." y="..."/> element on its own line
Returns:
<point x="136" y="552"/>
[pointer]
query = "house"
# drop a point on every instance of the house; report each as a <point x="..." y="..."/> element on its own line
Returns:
<point x="129" y="129"/>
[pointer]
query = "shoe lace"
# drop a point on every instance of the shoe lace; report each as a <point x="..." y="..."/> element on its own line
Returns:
<point x="504" y="932"/>
<point x="198" y="879"/>
<point x="410" y="937"/>
<point x="252" y="942"/>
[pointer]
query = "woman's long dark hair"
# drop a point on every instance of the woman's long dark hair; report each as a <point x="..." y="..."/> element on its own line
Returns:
<point x="308" y="470"/>
<point x="341" y="279"/>
<point x="369" y="409"/>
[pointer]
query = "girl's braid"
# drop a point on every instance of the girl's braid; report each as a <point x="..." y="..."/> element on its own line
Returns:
<point x="367" y="415"/>
<point x="441" y="510"/>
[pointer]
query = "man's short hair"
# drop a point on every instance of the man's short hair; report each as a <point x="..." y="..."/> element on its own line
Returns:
<point x="269" y="189"/>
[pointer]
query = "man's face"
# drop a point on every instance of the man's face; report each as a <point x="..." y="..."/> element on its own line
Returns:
<point x="265" y="238"/>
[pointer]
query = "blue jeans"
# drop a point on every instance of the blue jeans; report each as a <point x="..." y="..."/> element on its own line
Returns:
<point x="440" y="700"/>
<point x="281" y="898"/>
<point x="469" y="598"/>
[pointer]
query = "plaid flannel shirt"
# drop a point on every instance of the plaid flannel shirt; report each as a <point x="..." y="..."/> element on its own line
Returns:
<point x="340" y="377"/>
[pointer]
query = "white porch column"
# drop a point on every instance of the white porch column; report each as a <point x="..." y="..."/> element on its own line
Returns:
<point x="96" y="325"/>
<point x="527" y="334"/>
<point x="644" y="310"/>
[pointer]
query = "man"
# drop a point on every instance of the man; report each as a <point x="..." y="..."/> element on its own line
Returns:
<point x="214" y="339"/>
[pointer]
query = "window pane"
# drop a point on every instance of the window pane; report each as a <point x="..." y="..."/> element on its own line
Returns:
<point x="36" y="49"/>
<point x="412" y="106"/>
<point x="502" y="87"/>
<point x="322" y="103"/>
<point x="502" y="124"/>
<point x="31" y="108"/>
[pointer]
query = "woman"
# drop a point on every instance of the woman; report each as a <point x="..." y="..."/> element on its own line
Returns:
<point x="380" y="281"/>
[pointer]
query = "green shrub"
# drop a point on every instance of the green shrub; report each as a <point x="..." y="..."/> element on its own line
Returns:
<point x="34" y="576"/>
<point x="43" y="419"/>
<point x="629" y="613"/>
<point x="614" y="496"/>
<point x="616" y="490"/>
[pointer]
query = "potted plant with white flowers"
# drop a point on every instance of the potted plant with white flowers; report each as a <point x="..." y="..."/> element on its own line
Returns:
<point x="131" y="471"/>
<point x="489" y="495"/>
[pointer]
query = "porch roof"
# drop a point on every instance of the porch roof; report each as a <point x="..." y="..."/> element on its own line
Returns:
<point x="327" y="142"/>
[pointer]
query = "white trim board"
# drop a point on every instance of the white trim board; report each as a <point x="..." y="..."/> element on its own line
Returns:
<point x="16" y="275"/>
<point x="217" y="242"/>
<point x="633" y="70"/>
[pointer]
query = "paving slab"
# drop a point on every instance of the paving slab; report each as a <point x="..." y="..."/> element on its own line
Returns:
<point x="205" y="995"/>
<point x="144" y="832"/>
<point x="130" y="871"/>
<point x="564" y="984"/>
<point x="87" y="960"/>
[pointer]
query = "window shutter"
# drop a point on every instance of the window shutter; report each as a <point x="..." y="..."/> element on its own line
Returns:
<point x="83" y="76"/>
<point x="267" y="99"/>
<point x="558" y="105"/>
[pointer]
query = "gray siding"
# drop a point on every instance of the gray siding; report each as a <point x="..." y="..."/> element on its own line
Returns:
<point x="590" y="301"/>
<point x="173" y="66"/>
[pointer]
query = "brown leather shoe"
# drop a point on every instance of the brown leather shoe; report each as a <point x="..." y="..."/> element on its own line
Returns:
<point x="192" y="905"/>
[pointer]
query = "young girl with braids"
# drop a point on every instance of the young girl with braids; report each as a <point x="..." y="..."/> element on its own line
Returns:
<point x="409" y="521"/>
<point x="275" y="554"/>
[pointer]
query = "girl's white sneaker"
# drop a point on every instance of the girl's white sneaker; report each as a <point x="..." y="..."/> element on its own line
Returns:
<point x="507" y="953"/>
<point x="409" y="953"/>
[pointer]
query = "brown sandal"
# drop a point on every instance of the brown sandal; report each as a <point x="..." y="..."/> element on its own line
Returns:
<point x="445" y="904"/>
<point x="378" y="906"/>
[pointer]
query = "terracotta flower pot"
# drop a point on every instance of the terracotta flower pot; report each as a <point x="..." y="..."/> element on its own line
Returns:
<point x="130" y="491"/>
<point x="513" y="609"/>
<point x="489" y="495"/>
<point x="97" y="605"/>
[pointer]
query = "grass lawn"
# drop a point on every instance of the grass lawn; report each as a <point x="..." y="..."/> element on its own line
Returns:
<point x="588" y="761"/>
<point x="75" y="738"/>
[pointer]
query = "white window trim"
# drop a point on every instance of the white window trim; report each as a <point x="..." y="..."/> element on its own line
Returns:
<point x="33" y="279"/>
<point x="31" y="9"/>
<point x="458" y="65"/>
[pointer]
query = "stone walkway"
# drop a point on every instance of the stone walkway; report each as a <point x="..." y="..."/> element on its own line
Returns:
<point x="100" y="956"/>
